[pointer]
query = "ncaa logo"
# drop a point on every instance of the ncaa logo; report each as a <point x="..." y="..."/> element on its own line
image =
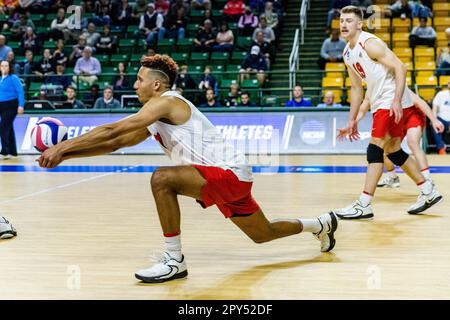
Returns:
<point x="312" y="132"/>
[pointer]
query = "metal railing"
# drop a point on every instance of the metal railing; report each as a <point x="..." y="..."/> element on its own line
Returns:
<point x="303" y="20"/>
<point x="294" y="62"/>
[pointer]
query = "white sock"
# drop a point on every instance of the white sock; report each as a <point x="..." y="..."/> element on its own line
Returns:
<point x="392" y="174"/>
<point x="173" y="246"/>
<point x="426" y="173"/>
<point x="365" y="199"/>
<point x="426" y="187"/>
<point x="310" y="225"/>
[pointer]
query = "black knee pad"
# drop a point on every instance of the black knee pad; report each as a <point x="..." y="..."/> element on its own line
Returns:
<point x="375" y="154"/>
<point x="398" y="157"/>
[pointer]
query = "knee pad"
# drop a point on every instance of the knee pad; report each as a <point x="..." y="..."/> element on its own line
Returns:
<point x="375" y="154"/>
<point x="399" y="157"/>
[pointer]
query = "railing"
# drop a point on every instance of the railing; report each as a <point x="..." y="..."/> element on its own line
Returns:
<point x="303" y="20"/>
<point x="294" y="62"/>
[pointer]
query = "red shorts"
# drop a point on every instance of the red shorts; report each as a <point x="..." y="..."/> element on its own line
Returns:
<point x="414" y="117"/>
<point x="384" y="124"/>
<point x="226" y="191"/>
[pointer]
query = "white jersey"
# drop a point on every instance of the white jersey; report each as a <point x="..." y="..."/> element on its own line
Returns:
<point x="442" y="101"/>
<point x="380" y="80"/>
<point x="197" y="141"/>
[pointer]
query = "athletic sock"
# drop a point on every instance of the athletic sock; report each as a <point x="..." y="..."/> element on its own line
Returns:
<point x="426" y="186"/>
<point x="426" y="173"/>
<point x="310" y="225"/>
<point x="391" y="174"/>
<point x="365" y="198"/>
<point x="173" y="245"/>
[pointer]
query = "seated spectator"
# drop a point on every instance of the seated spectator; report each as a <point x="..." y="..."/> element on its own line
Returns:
<point x="264" y="46"/>
<point x="4" y="49"/>
<point x="103" y="10"/>
<point x="247" y="23"/>
<point x="401" y="9"/>
<point x="177" y="5"/>
<point x="8" y="6"/>
<point x="332" y="49"/>
<point x="245" y="100"/>
<point x="208" y="15"/>
<point x="205" y="38"/>
<point x="268" y="33"/>
<point x="92" y="96"/>
<point x="77" y="51"/>
<point x="207" y="81"/>
<point x="139" y="9"/>
<point x="12" y="62"/>
<point x="441" y="108"/>
<point x="87" y="68"/>
<point x="233" y="10"/>
<point x="443" y="61"/>
<point x="363" y="4"/>
<point x="183" y="80"/>
<point x="201" y="4"/>
<point x="335" y="10"/>
<point x="45" y="67"/>
<point x="60" y="78"/>
<point x="30" y="41"/>
<point x="72" y="102"/>
<point x="162" y="6"/>
<point x="176" y="23"/>
<point x="122" y="16"/>
<point x="76" y="26"/>
<point x="59" y="25"/>
<point x="254" y="62"/>
<point x="422" y="35"/>
<point x="91" y="35"/>
<point x="257" y="5"/>
<point x="121" y="80"/>
<point x="224" y="39"/>
<point x="328" y="101"/>
<point x="298" y="100"/>
<point x="108" y="101"/>
<point x="270" y="16"/>
<point x="60" y="55"/>
<point x="233" y="98"/>
<point x="28" y="64"/>
<point x="107" y="43"/>
<point x="20" y="27"/>
<point x="210" y="100"/>
<point x="151" y="25"/>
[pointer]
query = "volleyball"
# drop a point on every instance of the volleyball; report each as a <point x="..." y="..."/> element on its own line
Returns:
<point x="48" y="132"/>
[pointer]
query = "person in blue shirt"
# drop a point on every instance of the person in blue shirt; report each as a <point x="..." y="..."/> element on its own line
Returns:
<point x="12" y="101"/>
<point x="328" y="101"/>
<point x="4" y="49"/>
<point x="298" y="100"/>
<point x="332" y="49"/>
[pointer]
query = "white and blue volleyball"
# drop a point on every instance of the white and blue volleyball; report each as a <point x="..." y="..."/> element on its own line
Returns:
<point x="48" y="132"/>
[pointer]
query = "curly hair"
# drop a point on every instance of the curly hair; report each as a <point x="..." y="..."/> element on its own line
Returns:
<point x="162" y="63"/>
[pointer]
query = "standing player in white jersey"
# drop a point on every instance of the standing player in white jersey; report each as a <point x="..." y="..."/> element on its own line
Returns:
<point x="369" y="59"/>
<point x="207" y="168"/>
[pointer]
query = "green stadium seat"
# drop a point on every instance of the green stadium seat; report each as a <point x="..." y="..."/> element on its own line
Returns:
<point x="220" y="56"/>
<point x="180" y="57"/>
<point x="42" y="30"/>
<point x="238" y="56"/>
<point x="232" y="71"/>
<point x="136" y="57"/>
<point x="126" y="45"/>
<point x="244" y="43"/>
<point x="226" y="83"/>
<point x="184" y="45"/>
<point x="165" y="45"/>
<point x="104" y="58"/>
<point x="38" y="19"/>
<point x="197" y="15"/>
<point x="195" y="68"/>
<point x="217" y="12"/>
<point x="103" y="84"/>
<point x="116" y="58"/>
<point x="199" y="56"/>
<point x="271" y="101"/>
<point x="35" y="86"/>
<point x="191" y="29"/>
<point x="51" y="44"/>
<point x="250" y="83"/>
<point x="13" y="44"/>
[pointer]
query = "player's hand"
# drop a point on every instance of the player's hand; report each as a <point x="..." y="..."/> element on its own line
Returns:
<point x="50" y="158"/>
<point x="397" y="111"/>
<point x="438" y="126"/>
<point x="350" y="132"/>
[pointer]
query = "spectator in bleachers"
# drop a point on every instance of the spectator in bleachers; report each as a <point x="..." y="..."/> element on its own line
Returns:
<point x="257" y="5"/>
<point x="107" y="101"/>
<point x="107" y="43"/>
<point x="59" y="25"/>
<point x="8" y="6"/>
<point x="4" y="49"/>
<point x="443" y="61"/>
<point x="60" y="55"/>
<point x="420" y="10"/>
<point x="60" y="78"/>
<point x="76" y="26"/>
<point x="201" y="4"/>
<point x="92" y="96"/>
<point x="233" y="97"/>
<point x="332" y="49"/>
<point x="245" y="100"/>
<point x="211" y="101"/>
<point x="205" y="38"/>
<point x="151" y="25"/>
<point x="208" y="15"/>
<point x="224" y="39"/>
<point x="30" y="41"/>
<point x="91" y="35"/>
<point x="77" y="50"/>
<point x="270" y="16"/>
<point x="87" y="67"/>
<point x="422" y="35"/>
<point x="178" y="4"/>
<point x="20" y="27"/>
<point x="139" y="9"/>
<point x="184" y="80"/>
<point x="233" y="10"/>
<point x="441" y="109"/>
<point x="298" y="100"/>
<point x="401" y="9"/>
<point x="207" y="80"/>
<point x="264" y="46"/>
<point x="12" y="62"/>
<point x="28" y="65"/>
<point x="328" y="101"/>
<point x="162" y="6"/>
<point x="121" y="80"/>
<point x="72" y="102"/>
<point x="363" y="4"/>
<point x="176" y="23"/>
<point x="247" y="23"/>
<point x="267" y="31"/>
<point x="45" y="67"/>
<point x="122" y="15"/>
<point x="335" y="10"/>
<point x="103" y="11"/>
<point x="254" y="63"/>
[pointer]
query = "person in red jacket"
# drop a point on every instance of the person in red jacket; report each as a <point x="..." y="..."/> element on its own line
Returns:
<point x="233" y="10"/>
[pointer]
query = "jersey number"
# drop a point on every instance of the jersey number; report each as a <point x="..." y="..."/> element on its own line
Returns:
<point x="358" y="68"/>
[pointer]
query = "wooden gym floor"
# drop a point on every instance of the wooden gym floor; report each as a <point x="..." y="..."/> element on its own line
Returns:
<point x="83" y="235"/>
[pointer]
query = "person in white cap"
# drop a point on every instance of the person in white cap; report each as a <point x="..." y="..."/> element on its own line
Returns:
<point x="151" y="25"/>
<point x="254" y="62"/>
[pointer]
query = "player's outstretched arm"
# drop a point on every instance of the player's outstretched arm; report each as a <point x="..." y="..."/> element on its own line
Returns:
<point x="422" y="105"/>
<point x="357" y="95"/>
<point x="363" y="109"/>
